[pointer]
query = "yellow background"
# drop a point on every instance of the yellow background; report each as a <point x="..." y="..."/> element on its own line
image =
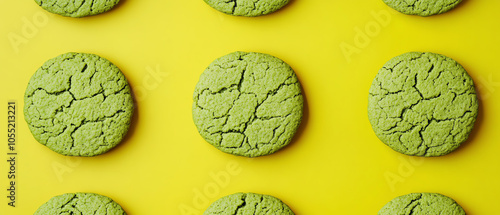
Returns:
<point x="335" y="164"/>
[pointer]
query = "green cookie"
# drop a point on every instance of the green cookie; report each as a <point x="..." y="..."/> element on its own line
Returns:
<point x="422" y="104"/>
<point x="78" y="104"/>
<point x="247" y="7"/>
<point x="77" y="8"/>
<point x="248" y="104"/>
<point x="248" y="203"/>
<point x="80" y="203"/>
<point x="422" y="204"/>
<point x="422" y="7"/>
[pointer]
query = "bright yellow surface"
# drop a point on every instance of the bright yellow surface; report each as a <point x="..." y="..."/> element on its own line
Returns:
<point x="335" y="165"/>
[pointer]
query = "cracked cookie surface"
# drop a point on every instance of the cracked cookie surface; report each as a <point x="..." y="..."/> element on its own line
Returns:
<point x="248" y="203"/>
<point x="422" y="204"/>
<point x="78" y="104"/>
<point x="422" y="7"/>
<point x="80" y="203"/>
<point x="77" y="8"/>
<point x="248" y="104"/>
<point x="247" y="7"/>
<point x="422" y="104"/>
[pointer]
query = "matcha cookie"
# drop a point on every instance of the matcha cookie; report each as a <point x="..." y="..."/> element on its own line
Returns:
<point x="422" y="104"/>
<point x="422" y="7"/>
<point x="248" y="203"/>
<point x="422" y="204"/>
<point x="77" y="8"/>
<point x="247" y="7"/>
<point x="80" y="203"/>
<point x="78" y="104"/>
<point x="248" y="104"/>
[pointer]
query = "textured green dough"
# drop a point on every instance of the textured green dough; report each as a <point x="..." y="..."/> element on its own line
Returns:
<point x="422" y="204"/>
<point x="247" y="7"/>
<point x="77" y="8"/>
<point x="248" y="104"/>
<point x="80" y="203"/>
<point x="78" y="104"/>
<point x="248" y="203"/>
<point x="422" y="7"/>
<point x="422" y="104"/>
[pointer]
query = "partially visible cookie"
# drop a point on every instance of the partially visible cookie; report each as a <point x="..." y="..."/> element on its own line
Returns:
<point x="422" y="204"/>
<point x="248" y="203"/>
<point x="78" y="104"/>
<point x="247" y="7"/>
<point x="80" y="203"/>
<point x="422" y="104"/>
<point x="248" y="104"/>
<point x="79" y="8"/>
<point x="422" y="7"/>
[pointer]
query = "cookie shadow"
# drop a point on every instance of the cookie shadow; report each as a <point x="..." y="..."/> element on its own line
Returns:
<point x="456" y="8"/>
<point x="290" y="3"/>
<point x="281" y="10"/>
<point x="462" y="4"/>
<point x="119" y="5"/>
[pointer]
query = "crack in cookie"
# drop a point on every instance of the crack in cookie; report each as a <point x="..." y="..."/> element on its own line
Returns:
<point x="80" y="203"/>
<point x="248" y="203"/>
<point x="422" y="7"/>
<point x="77" y="9"/>
<point x="247" y="7"/>
<point x="422" y="203"/>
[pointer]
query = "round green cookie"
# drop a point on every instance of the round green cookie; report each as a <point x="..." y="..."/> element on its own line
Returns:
<point x="247" y="7"/>
<point x="248" y="104"/>
<point x="80" y="203"/>
<point x="422" y="7"/>
<point x="422" y="104"/>
<point x="248" y="203"/>
<point x="422" y="204"/>
<point x="78" y="104"/>
<point x="77" y="8"/>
